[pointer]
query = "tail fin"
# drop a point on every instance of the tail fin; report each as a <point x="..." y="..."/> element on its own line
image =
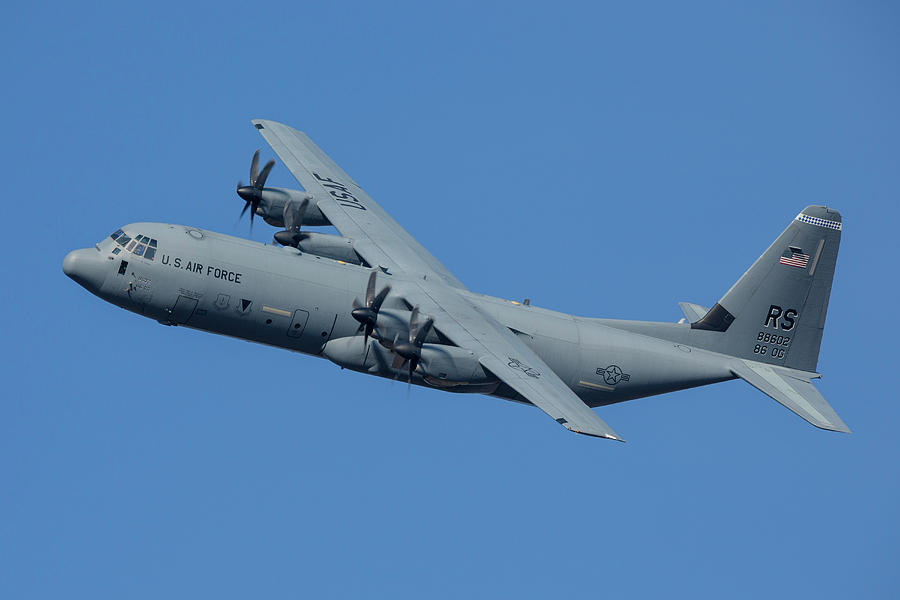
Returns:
<point x="775" y="313"/>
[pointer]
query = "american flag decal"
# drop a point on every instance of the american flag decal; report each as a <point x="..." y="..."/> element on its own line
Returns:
<point x="794" y="257"/>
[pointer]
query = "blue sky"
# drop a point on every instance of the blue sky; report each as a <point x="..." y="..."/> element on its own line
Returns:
<point x="602" y="160"/>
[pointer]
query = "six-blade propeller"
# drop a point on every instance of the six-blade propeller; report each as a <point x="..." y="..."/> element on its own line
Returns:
<point x="252" y="194"/>
<point x="409" y="352"/>
<point x="293" y="219"/>
<point x="367" y="314"/>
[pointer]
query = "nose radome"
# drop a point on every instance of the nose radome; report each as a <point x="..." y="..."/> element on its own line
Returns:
<point x="86" y="268"/>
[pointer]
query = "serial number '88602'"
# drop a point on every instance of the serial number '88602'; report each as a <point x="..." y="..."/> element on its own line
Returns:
<point x="771" y="338"/>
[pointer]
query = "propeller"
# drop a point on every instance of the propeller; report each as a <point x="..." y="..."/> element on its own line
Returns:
<point x="293" y="219"/>
<point x="409" y="353"/>
<point x="252" y="194"/>
<point x="367" y="314"/>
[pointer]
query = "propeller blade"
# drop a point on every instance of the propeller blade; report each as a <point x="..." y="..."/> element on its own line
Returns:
<point x="261" y="180"/>
<point x="301" y="212"/>
<point x="289" y="214"/>
<point x="370" y="289"/>
<point x="413" y="324"/>
<point x="423" y="332"/>
<point x="379" y="299"/>
<point x="254" y="168"/>
<point x="246" y="206"/>
<point x="293" y="214"/>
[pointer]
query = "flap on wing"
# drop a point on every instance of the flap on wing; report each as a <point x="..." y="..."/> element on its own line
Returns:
<point x="795" y="394"/>
<point x="693" y="312"/>
<point x="561" y="404"/>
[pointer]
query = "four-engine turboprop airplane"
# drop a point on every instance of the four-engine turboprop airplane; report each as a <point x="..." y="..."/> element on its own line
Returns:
<point x="373" y="300"/>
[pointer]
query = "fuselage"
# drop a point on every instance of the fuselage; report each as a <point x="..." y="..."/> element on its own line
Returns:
<point x="274" y="295"/>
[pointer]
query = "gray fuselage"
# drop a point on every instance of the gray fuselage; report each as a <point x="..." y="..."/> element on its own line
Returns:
<point x="277" y="296"/>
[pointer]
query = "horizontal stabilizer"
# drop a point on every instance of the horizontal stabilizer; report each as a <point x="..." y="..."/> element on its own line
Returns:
<point x="793" y="390"/>
<point x="693" y="312"/>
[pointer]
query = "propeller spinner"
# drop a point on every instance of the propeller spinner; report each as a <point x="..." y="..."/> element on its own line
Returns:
<point x="252" y="194"/>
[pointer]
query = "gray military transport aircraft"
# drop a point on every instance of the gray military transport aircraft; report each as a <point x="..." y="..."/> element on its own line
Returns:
<point x="373" y="300"/>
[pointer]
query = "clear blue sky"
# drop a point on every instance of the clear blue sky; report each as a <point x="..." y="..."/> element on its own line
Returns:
<point x="601" y="160"/>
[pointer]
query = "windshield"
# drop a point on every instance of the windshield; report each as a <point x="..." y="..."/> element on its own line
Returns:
<point x="139" y="245"/>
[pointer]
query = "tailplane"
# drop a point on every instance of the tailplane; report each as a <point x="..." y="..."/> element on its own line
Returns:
<point x="793" y="390"/>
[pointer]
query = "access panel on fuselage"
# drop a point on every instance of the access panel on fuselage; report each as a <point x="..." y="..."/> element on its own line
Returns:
<point x="298" y="323"/>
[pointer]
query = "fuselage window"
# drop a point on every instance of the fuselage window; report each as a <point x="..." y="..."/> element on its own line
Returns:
<point x="116" y="234"/>
<point x="116" y="250"/>
<point x="139" y="250"/>
<point x="124" y="239"/>
<point x="150" y="253"/>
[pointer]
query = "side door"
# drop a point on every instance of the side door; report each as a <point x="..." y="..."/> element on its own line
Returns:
<point x="183" y="310"/>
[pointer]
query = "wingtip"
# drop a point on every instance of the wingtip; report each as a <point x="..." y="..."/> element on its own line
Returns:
<point x="606" y="436"/>
<point x="836" y="427"/>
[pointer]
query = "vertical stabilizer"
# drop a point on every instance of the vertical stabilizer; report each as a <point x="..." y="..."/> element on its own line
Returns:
<point x="775" y="313"/>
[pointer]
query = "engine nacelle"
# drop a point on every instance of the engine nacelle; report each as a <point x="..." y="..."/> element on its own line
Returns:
<point x="447" y="367"/>
<point x="271" y="207"/>
<point x="452" y="367"/>
<point x="349" y="353"/>
<point x="329" y="246"/>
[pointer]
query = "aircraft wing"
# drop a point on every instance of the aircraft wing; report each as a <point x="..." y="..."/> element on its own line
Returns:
<point x="382" y="242"/>
<point x="376" y="236"/>
<point x="505" y="355"/>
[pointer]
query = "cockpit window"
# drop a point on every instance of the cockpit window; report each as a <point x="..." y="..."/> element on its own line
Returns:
<point x="139" y="245"/>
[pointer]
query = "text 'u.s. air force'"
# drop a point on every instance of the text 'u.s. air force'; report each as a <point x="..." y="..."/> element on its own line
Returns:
<point x="193" y="266"/>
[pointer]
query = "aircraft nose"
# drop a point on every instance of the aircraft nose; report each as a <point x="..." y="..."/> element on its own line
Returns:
<point x="86" y="268"/>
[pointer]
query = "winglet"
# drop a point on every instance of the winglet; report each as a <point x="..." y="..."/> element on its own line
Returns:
<point x="793" y="390"/>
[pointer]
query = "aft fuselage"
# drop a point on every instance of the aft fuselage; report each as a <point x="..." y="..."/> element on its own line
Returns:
<point x="278" y="296"/>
